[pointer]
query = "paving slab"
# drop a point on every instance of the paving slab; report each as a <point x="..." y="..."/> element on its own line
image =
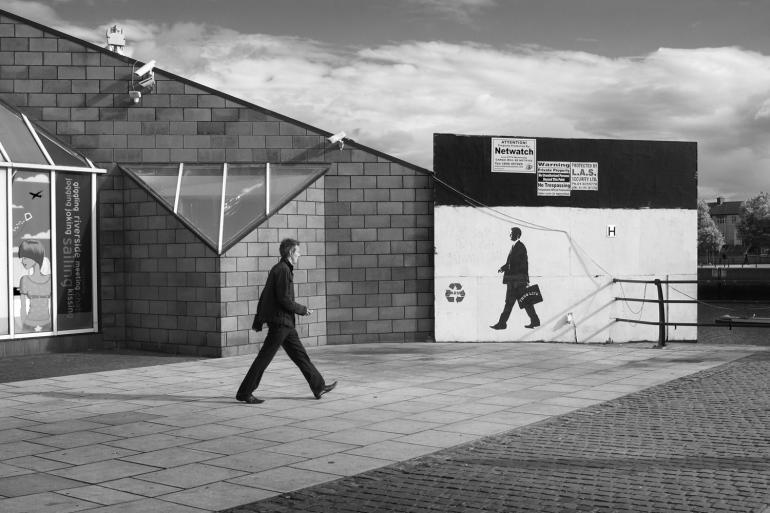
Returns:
<point x="172" y="438"/>
<point x="697" y="443"/>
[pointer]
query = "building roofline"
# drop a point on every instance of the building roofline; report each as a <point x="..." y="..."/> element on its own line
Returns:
<point x="245" y="103"/>
<point x="498" y="136"/>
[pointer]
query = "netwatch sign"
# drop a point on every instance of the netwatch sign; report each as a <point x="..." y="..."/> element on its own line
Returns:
<point x="513" y="155"/>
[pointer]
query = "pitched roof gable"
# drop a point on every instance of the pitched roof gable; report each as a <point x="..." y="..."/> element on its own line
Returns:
<point x="725" y="208"/>
<point x="242" y="102"/>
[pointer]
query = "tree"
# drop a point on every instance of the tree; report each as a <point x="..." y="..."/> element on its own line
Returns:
<point x="710" y="239"/>
<point x="754" y="225"/>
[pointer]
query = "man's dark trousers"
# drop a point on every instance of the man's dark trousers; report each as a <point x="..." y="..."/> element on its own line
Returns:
<point x="513" y="292"/>
<point x="277" y="336"/>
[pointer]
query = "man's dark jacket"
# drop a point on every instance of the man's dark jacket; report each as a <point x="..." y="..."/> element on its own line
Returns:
<point x="276" y="303"/>
<point x="516" y="268"/>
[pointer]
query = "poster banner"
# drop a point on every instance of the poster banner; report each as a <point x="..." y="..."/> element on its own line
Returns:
<point x="513" y="155"/>
<point x="585" y="176"/>
<point x="73" y="251"/>
<point x="553" y="178"/>
<point x="31" y="235"/>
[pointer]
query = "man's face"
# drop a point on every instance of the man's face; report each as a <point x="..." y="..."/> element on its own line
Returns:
<point x="513" y="235"/>
<point x="294" y="256"/>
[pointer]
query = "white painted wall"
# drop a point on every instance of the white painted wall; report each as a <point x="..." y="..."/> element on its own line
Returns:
<point x="573" y="261"/>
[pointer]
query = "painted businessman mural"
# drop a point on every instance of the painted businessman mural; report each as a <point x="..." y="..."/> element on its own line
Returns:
<point x="516" y="279"/>
<point x="532" y="234"/>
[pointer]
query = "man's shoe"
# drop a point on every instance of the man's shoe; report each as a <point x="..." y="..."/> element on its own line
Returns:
<point x="533" y="324"/>
<point x="326" y="388"/>
<point x="499" y="326"/>
<point x="250" y="399"/>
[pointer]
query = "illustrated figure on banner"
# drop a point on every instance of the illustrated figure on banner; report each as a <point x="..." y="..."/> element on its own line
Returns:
<point x="34" y="288"/>
<point x="516" y="278"/>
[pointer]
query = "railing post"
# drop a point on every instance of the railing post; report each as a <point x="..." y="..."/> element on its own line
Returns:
<point x="661" y="316"/>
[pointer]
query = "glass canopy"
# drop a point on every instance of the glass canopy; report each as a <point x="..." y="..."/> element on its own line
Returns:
<point x="222" y="203"/>
<point x="24" y="145"/>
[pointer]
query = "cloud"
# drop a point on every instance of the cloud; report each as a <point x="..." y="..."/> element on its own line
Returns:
<point x="461" y="11"/>
<point x="38" y="178"/>
<point x="394" y="97"/>
<point x="38" y="236"/>
<point x="47" y="15"/>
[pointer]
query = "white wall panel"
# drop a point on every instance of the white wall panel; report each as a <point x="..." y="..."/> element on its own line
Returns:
<point x="574" y="262"/>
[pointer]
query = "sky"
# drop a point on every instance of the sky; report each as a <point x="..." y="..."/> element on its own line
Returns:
<point x="391" y="73"/>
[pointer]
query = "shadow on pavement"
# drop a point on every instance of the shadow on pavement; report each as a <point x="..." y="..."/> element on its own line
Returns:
<point x="21" y="368"/>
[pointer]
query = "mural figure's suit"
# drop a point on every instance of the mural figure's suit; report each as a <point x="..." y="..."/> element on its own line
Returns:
<point x="516" y="278"/>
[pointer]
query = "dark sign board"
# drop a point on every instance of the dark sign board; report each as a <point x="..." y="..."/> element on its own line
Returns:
<point x="581" y="173"/>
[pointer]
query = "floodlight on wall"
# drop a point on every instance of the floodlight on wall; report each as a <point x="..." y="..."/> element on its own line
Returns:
<point x="338" y="138"/>
<point x="135" y="96"/>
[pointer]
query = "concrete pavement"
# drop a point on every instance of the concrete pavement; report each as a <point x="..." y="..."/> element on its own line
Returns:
<point x="695" y="444"/>
<point x="171" y="438"/>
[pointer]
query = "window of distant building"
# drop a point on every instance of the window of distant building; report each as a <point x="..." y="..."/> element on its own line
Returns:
<point x="48" y="256"/>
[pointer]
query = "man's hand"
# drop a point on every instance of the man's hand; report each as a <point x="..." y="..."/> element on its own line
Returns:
<point x="501" y="270"/>
<point x="309" y="312"/>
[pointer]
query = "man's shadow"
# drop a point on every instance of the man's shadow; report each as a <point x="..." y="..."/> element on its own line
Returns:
<point x="104" y="396"/>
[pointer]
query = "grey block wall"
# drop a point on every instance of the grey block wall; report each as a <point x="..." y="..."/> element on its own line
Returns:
<point x="366" y="225"/>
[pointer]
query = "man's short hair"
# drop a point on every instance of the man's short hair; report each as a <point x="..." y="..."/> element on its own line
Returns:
<point x="287" y="245"/>
<point x="516" y="232"/>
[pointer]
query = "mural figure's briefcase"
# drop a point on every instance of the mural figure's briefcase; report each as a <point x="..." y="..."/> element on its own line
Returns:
<point x="531" y="296"/>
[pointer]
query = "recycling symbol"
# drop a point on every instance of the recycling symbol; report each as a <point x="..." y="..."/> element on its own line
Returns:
<point x="455" y="293"/>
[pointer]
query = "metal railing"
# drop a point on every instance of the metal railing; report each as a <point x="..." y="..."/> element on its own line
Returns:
<point x="662" y="322"/>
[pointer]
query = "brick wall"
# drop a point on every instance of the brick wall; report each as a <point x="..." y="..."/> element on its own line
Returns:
<point x="171" y="281"/>
<point x="367" y="225"/>
<point x="247" y="264"/>
<point x="379" y="253"/>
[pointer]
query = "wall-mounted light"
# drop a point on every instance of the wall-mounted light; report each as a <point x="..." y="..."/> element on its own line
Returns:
<point x="135" y="96"/>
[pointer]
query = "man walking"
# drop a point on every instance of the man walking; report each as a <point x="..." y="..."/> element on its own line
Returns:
<point x="516" y="278"/>
<point x="277" y="308"/>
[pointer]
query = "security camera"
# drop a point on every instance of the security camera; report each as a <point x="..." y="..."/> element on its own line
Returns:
<point x="147" y="81"/>
<point x="144" y="70"/>
<point x="145" y="75"/>
<point x="338" y="137"/>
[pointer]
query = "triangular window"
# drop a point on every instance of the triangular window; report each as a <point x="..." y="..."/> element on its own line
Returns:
<point x="286" y="182"/>
<point x="245" y="201"/>
<point x="222" y="203"/>
<point x="200" y="199"/>
<point x="162" y="180"/>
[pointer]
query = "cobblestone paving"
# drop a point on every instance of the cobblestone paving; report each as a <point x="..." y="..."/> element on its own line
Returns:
<point x="698" y="444"/>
